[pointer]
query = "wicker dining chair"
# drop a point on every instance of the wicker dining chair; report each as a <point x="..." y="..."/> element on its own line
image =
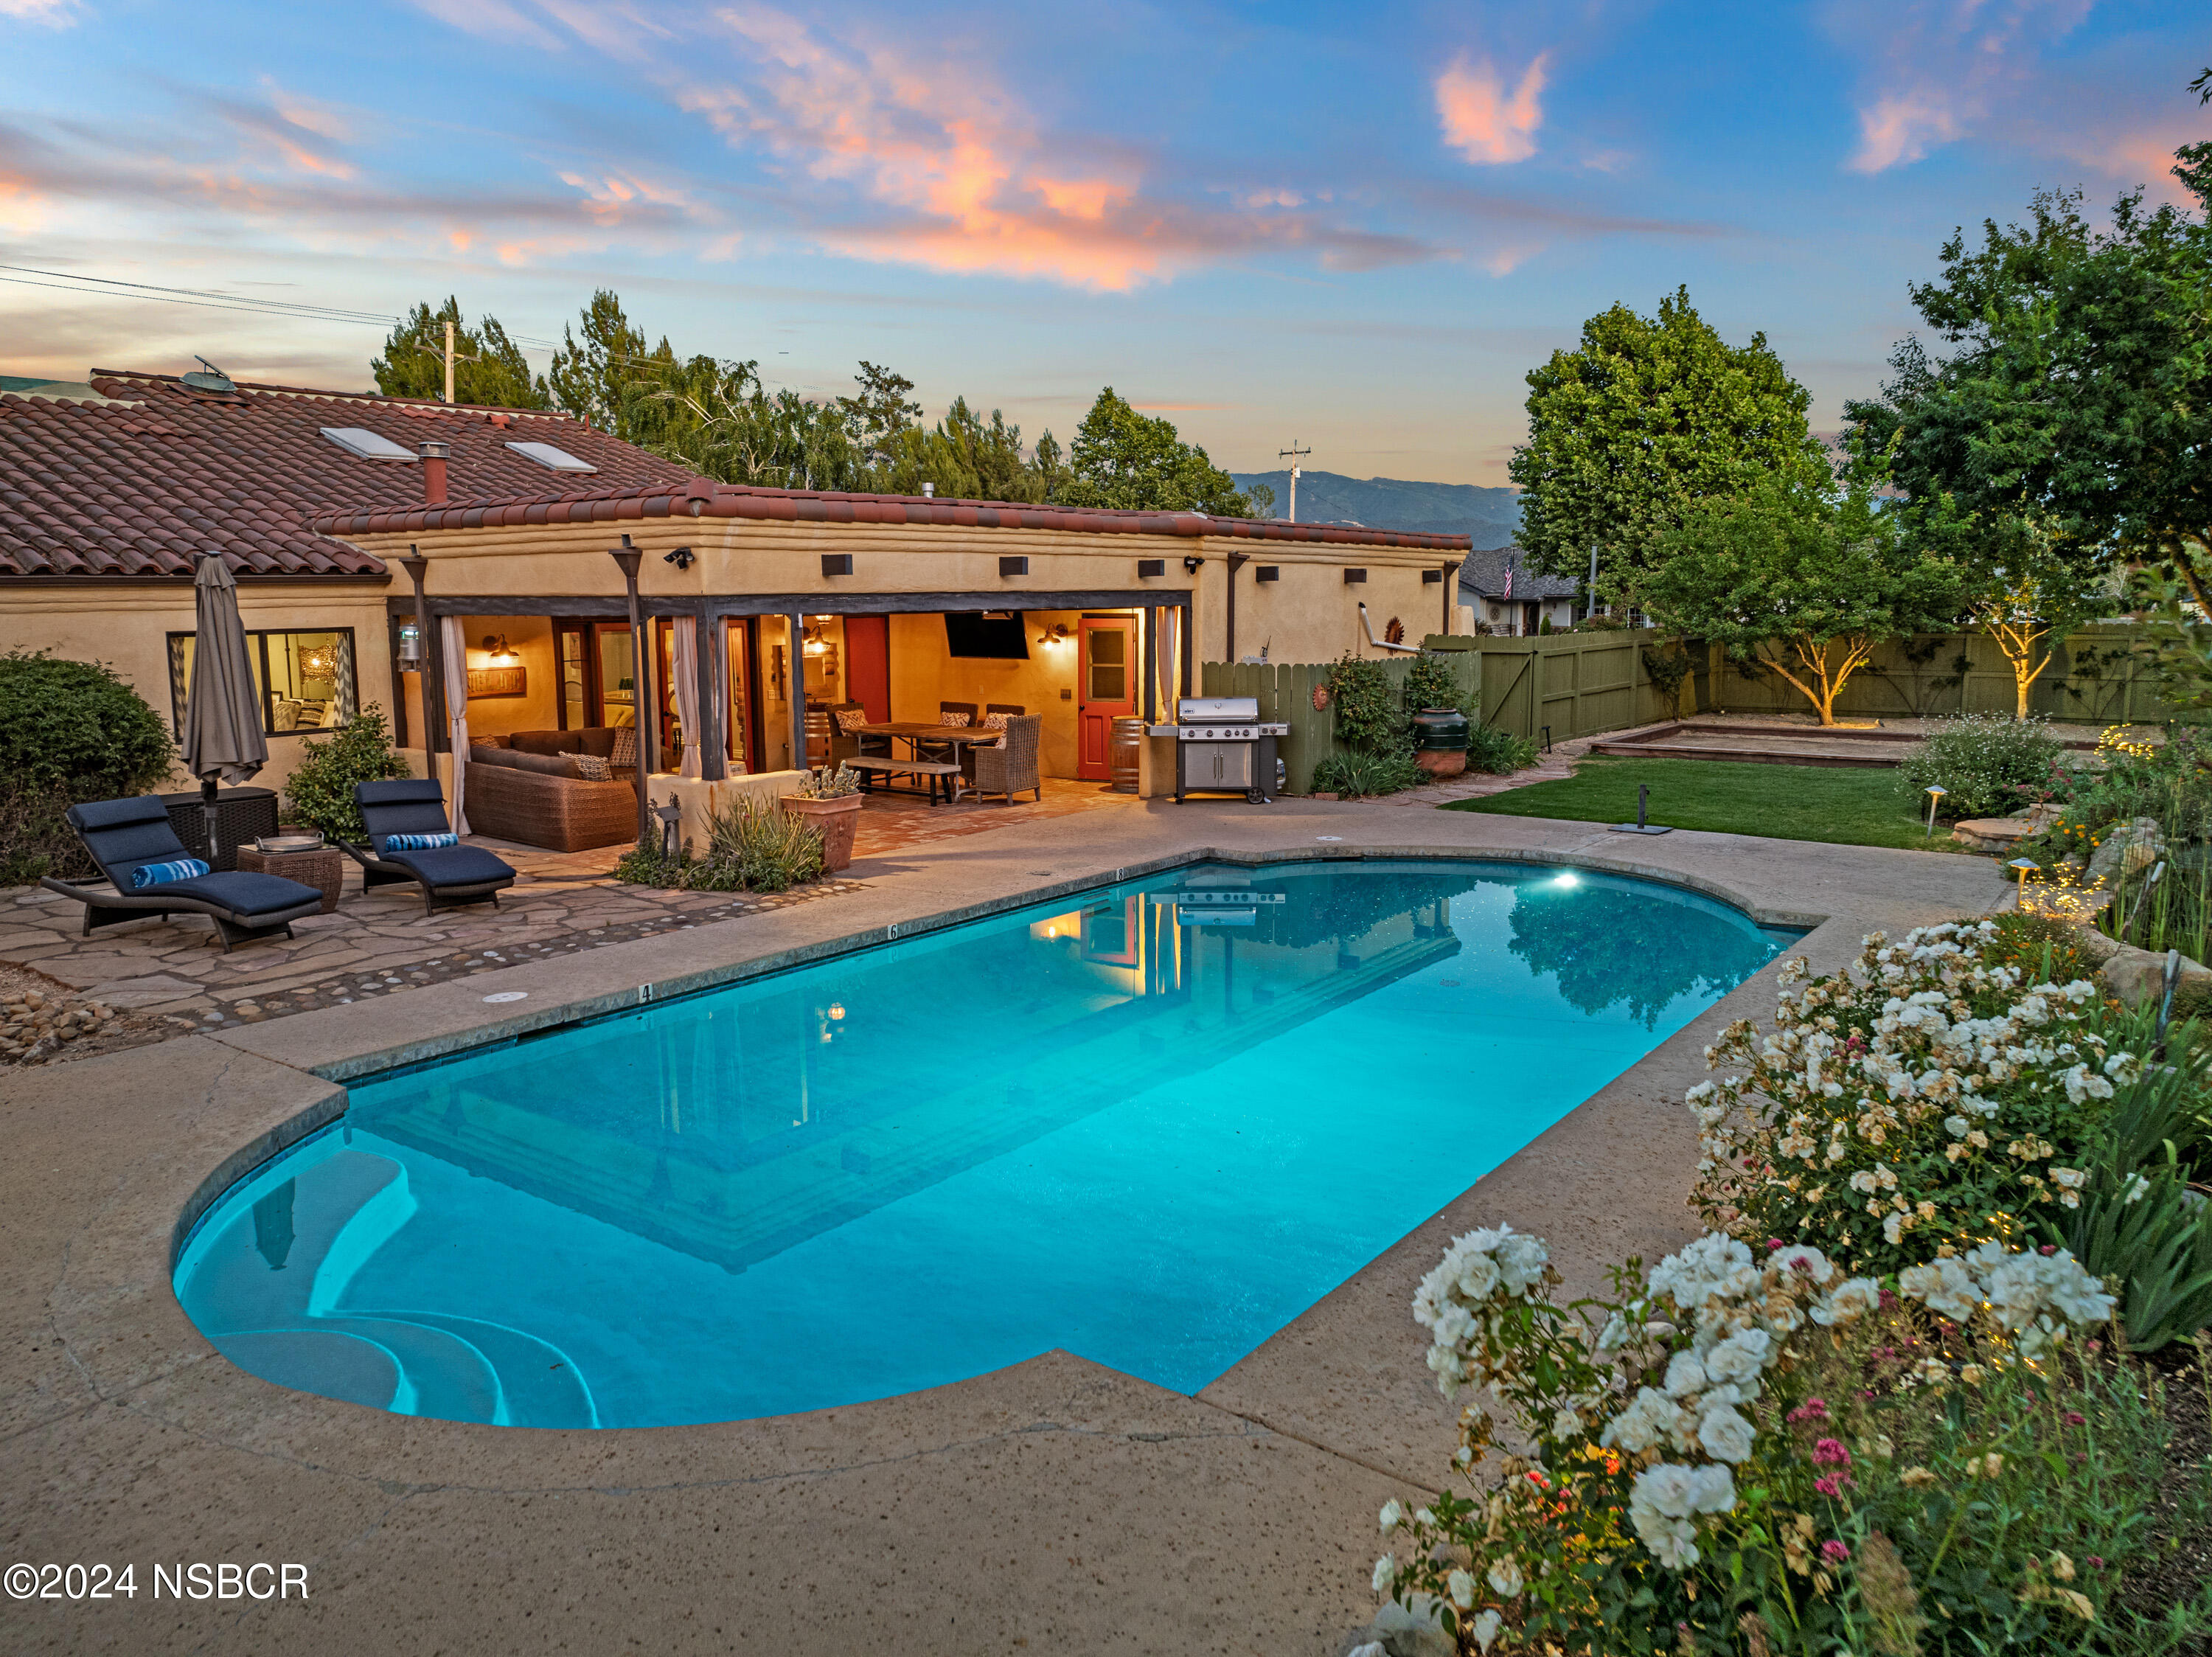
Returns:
<point x="1012" y="766"/>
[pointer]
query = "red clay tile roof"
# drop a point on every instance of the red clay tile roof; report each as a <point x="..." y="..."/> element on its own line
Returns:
<point x="131" y="488"/>
<point x="714" y="500"/>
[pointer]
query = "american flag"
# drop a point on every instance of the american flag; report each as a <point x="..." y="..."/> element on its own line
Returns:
<point x="1509" y="581"/>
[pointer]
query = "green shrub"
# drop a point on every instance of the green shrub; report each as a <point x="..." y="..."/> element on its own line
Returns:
<point x="1989" y="766"/>
<point x="69" y="731"/>
<point x="1500" y="752"/>
<point x="1353" y="774"/>
<point x="320" y="791"/>
<point x="749" y="848"/>
<point x="757" y="848"/>
<point x="1430" y="683"/>
<point x="1368" y="716"/>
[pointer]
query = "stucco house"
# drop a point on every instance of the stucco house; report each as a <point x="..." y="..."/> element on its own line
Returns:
<point x="374" y="538"/>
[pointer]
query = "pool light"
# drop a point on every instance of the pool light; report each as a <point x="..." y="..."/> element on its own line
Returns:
<point x="1568" y="882"/>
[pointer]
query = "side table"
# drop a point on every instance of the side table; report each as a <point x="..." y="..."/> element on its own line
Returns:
<point x="324" y="868"/>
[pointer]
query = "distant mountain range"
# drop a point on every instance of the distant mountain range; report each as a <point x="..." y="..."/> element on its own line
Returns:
<point x="1493" y="516"/>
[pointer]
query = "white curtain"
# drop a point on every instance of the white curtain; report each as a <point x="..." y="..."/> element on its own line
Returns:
<point x="1170" y="660"/>
<point x="457" y="712"/>
<point x="687" y="693"/>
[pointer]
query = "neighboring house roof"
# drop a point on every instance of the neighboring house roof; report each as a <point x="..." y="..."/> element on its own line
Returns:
<point x="127" y="476"/>
<point x="716" y="500"/>
<point x="1482" y="575"/>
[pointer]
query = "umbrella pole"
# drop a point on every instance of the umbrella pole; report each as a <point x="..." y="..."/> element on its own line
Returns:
<point x="208" y="807"/>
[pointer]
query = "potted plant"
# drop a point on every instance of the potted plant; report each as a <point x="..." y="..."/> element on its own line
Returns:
<point x="829" y="799"/>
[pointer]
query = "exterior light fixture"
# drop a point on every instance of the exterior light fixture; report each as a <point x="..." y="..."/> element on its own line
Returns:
<point x="410" y="646"/>
<point x="1936" y="791"/>
<point x="836" y="1009"/>
<point x="496" y="646"/>
<point x="681" y="557"/>
<point x="1055" y="634"/>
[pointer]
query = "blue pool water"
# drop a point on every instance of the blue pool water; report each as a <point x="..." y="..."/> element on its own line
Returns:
<point x="1150" y="1124"/>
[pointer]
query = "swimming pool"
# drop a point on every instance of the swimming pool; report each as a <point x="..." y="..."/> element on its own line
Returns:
<point x="1150" y="1124"/>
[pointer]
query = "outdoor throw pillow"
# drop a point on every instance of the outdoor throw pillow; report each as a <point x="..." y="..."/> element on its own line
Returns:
<point x="996" y="722"/>
<point x="851" y="719"/>
<point x="147" y="875"/>
<point x="624" y="757"/>
<point x="590" y="767"/>
<point x="952" y="719"/>
<point x="420" y="842"/>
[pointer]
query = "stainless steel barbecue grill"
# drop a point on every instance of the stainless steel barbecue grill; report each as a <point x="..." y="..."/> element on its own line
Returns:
<point x="1223" y="746"/>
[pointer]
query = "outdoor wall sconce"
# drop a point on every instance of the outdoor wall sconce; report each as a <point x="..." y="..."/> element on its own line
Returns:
<point x="495" y="646"/>
<point x="1269" y="572"/>
<point x="411" y="645"/>
<point x="1151" y="568"/>
<point x="681" y="557"/>
<point x="1055" y="634"/>
<point x="1354" y="577"/>
<point x="1013" y="567"/>
<point x="836" y="564"/>
<point x="1191" y="562"/>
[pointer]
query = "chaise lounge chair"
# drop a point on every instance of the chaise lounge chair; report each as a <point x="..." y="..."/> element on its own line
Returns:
<point x="124" y="836"/>
<point x="449" y="876"/>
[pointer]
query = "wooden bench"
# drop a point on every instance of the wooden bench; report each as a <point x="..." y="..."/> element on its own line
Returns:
<point x="934" y="771"/>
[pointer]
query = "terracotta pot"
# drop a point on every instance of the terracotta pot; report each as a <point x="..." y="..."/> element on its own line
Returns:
<point x="836" y="818"/>
<point x="1440" y="761"/>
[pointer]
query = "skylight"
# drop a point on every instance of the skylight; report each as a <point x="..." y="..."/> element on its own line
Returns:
<point x="365" y="444"/>
<point x="546" y="456"/>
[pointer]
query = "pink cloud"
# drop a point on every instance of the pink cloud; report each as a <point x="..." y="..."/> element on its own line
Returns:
<point x="1936" y="70"/>
<point x="1481" y="120"/>
<point x="942" y="168"/>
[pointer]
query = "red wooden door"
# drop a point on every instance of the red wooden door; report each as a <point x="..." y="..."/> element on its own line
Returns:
<point x="1107" y="691"/>
<point x="868" y="664"/>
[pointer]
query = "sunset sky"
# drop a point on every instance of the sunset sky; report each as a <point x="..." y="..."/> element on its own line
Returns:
<point x="1356" y="226"/>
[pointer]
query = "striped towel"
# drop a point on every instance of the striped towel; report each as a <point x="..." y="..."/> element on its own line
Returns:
<point x="152" y="875"/>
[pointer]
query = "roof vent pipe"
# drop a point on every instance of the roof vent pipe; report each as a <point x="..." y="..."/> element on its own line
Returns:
<point x="433" y="472"/>
<point x="929" y="491"/>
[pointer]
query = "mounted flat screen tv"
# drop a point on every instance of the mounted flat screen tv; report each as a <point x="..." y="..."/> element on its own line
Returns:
<point x="1002" y="635"/>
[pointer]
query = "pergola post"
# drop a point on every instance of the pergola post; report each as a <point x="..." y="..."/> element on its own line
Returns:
<point x="797" y="692"/>
<point x="628" y="557"/>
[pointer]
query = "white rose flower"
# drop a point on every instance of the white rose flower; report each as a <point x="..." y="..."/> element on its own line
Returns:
<point x="1484" y="1629"/>
<point x="1461" y="1586"/>
<point x="1651" y="1417"/>
<point x="1386" y="1572"/>
<point x="1956" y="1126"/>
<point x="1685" y="1375"/>
<point x="1726" y="1435"/>
<point x="1566" y="1424"/>
<point x="1853" y="1298"/>
<point x="1504" y="1578"/>
<point x="1393" y="1515"/>
<point x="1741" y="1356"/>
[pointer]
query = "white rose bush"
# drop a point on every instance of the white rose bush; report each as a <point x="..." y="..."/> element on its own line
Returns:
<point x="1755" y="1441"/>
<point x="1933" y="1095"/>
<point x="1875" y="1409"/>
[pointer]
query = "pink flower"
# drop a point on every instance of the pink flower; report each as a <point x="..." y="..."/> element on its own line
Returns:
<point x="1831" y="1485"/>
<point x="2096" y="1562"/>
<point x="1811" y="1410"/>
<point x="2075" y="1418"/>
<point x="1831" y="1452"/>
<point x="1773" y="1244"/>
<point x="1834" y="1551"/>
<point x="2049" y="1249"/>
<point x="1888" y="1300"/>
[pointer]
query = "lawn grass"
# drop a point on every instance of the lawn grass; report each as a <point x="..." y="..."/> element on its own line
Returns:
<point x="1843" y="806"/>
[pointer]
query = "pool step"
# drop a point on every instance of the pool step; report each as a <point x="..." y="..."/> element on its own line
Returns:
<point x="268" y="1292"/>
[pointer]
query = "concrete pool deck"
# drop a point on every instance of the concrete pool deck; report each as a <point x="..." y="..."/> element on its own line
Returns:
<point x="1053" y="1507"/>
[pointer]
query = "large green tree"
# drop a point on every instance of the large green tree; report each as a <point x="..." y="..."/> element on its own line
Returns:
<point x="1120" y="458"/>
<point x="592" y="377"/>
<point x="1646" y="417"/>
<point x="1783" y="577"/>
<point x="2073" y="393"/>
<point x="488" y="366"/>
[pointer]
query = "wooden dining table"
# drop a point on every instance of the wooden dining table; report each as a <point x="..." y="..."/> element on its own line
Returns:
<point x="916" y="733"/>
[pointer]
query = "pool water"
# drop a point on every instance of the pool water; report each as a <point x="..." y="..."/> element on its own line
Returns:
<point x="1150" y="1124"/>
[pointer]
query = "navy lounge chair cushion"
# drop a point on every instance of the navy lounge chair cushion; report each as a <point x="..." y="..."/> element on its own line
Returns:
<point x="241" y="892"/>
<point x="452" y="866"/>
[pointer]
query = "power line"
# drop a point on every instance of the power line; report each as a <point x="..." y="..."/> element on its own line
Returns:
<point x="324" y="313"/>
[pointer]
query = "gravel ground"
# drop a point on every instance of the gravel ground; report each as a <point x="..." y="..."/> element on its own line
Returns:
<point x="44" y="1021"/>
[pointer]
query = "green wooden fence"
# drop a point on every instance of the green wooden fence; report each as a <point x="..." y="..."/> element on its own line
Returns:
<point x="1570" y="685"/>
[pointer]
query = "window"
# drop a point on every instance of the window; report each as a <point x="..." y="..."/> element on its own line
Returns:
<point x="306" y="679"/>
<point x="365" y="444"/>
<point x="546" y="456"/>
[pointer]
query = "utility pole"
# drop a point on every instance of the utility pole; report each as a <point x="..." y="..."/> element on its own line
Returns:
<point x="1293" y="454"/>
<point x="449" y="359"/>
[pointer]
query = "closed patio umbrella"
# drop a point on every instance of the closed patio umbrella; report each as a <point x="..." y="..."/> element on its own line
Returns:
<point x="223" y="742"/>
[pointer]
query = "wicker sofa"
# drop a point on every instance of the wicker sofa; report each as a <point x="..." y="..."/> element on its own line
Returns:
<point x="527" y="788"/>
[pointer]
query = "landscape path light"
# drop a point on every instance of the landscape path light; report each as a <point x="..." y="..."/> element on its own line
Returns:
<point x="1936" y="791"/>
